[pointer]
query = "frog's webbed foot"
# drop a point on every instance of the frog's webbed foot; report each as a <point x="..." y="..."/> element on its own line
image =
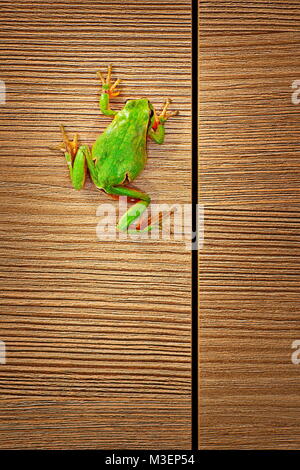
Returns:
<point x="107" y="87"/>
<point x="77" y="158"/>
<point x="164" y="115"/>
<point x="68" y="146"/>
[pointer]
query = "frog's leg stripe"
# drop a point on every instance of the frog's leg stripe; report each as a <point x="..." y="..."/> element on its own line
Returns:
<point x="91" y="164"/>
<point x="129" y="192"/>
<point x="134" y="211"/>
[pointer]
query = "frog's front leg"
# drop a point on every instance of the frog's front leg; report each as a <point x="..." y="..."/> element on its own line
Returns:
<point x="157" y="131"/>
<point x="76" y="157"/>
<point x="158" y="135"/>
<point x="108" y="91"/>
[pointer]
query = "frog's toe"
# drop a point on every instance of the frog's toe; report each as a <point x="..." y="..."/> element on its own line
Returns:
<point x="164" y="115"/>
<point x="112" y="90"/>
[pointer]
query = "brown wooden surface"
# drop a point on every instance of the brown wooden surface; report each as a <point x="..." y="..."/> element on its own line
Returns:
<point x="97" y="333"/>
<point x="249" y="175"/>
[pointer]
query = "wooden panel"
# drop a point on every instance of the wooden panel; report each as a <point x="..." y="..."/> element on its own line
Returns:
<point x="97" y="333"/>
<point x="249" y="316"/>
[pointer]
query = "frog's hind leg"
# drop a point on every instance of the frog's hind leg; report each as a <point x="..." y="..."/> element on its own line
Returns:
<point x="135" y="211"/>
<point x="76" y="157"/>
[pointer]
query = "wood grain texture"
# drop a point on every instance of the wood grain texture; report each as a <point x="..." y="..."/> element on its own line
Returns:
<point x="97" y="333"/>
<point x="249" y="281"/>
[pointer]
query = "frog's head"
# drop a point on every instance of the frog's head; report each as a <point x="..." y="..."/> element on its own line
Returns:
<point x="140" y="109"/>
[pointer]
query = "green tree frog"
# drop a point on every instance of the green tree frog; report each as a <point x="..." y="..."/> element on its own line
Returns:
<point x="119" y="154"/>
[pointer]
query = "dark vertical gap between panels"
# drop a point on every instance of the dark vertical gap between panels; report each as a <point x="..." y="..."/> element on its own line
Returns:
<point x="194" y="225"/>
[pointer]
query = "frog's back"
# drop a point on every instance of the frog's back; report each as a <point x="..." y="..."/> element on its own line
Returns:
<point x="120" y="151"/>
